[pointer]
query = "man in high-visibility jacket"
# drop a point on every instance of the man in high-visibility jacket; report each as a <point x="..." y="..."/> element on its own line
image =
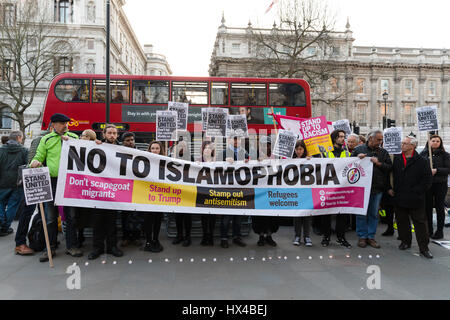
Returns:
<point x="49" y="152"/>
<point x="338" y="139"/>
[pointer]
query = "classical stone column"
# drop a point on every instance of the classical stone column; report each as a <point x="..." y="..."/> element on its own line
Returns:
<point x="373" y="105"/>
<point x="444" y="102"/>
<point x="349" y="98"/>
<point x="397" y="98"/>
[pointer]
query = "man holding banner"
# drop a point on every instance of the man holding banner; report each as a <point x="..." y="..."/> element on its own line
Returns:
<point x="366" y="226"/>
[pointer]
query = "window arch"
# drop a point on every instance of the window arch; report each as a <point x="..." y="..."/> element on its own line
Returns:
<point x="63" y="11"/>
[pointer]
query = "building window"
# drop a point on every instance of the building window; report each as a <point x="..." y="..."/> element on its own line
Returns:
<point x="360" y="86"/>
<point x="90" y="44"/>
<point x="311" y="51"/>
<point x="334" y="85"/>
<point x="236" y="48"/>
<point x="409" y="114"/>
<point x="63" y="11"/>
<point x="7" y="70"/>
<point x="335" y="51"/>
<point x="63" y="64"/>
<point x="7" y="14"/>
<point x="6" y="121"/>
<point x="361" y="114"/>
<point x="408" y="87"/>
<point x="432" y="88"/>
<point x="384" y="85"/>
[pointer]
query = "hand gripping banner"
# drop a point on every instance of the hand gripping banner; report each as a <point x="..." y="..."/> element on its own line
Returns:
<point x="114" y="177"/>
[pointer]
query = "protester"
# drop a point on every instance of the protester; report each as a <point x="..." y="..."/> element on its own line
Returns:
<point x="152" y="220"/>
<point x="300" y="223"/>
<point x="436" y="194"/>
<point x="5" y="139"/>
<point x="49" y="152"/>
<point x="352" y="142"/>
<point x="83" y="216"/>
<point x="366" y="226"/>
<point x="132" y="221"/>
<point x="233" y="152"/>
<point x="183" y="221"/>
<point x="387" y="204"/>
<point x="362" y="140"/>
<point x="338" y="139"/>
<point x="104" y="220"/>
<point x="265" y="226"/>
<point x="12" y="155"/>
<point x="208" y="154"/>
<point x="412" y="179"/>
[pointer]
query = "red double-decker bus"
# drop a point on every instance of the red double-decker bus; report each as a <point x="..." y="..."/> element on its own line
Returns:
<point x="135" y="100"/>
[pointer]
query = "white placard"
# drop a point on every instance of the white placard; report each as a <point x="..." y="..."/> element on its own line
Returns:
<point x="392" y="140"/>
<point x="427" y="118"/>
<point x="342" y="125"/>
<point x="237" y="126"/>
<point x="37" y="185"/>
<point x="217" y="122"/>
<point x="285" y="144"/>
<point x="166" y="125"/>
<point x="182" y="110"/>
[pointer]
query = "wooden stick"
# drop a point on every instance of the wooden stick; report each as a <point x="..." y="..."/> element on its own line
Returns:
<point x="429" y="151"/>
<point x="47" y="242"/>
<point x="274" y="121"/>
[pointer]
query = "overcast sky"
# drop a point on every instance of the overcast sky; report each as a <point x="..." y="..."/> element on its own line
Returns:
<point x="185" y="30"/>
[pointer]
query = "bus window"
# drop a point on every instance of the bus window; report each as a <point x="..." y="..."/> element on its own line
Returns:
<point x="150" y="91"/>
<point x="190" y="92"/>
<point x="219" y="93"/>
<point x="248" y="94"/>
<point x="120" y="91"/>
<point x="72" y="90"/>
<point x="287" y="95"/>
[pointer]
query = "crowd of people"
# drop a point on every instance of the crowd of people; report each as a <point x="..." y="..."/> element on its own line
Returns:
<point x="404" y="186"/>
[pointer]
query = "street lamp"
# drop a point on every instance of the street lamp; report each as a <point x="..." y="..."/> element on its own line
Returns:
<point x="385" y="97"/>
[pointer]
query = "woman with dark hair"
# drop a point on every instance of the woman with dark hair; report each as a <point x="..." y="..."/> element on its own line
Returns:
<point x="152" y="220"/>
<point x="438" y="191"/>
<point x="208" y="154"/>
<point x="302" y="222"/>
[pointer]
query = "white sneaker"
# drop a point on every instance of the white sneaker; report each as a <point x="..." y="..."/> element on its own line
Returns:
<point x="296" y="241"/>
<point x="308" y="242"/>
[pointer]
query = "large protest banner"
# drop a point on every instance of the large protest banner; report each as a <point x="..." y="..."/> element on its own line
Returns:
<point x="427" y="118"/>
<point x="114" y="177"/>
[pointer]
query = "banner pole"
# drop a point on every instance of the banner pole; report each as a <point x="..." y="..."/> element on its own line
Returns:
<point x="429" y="151"/>
<point x="47" y="242"/>
<point x="274" y="121"/>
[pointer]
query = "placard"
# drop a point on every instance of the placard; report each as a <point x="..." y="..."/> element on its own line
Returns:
<point x="166" y="125"/>
<point x="285" y="143"/>
<point x="392" y="140"/>
<point x="217" y="122"/>
<point x="237" y="125"/>
<point x="204" y="118"/>
<point x="342" y="125"/>
<point x="427" y="118"/>
<point x="315" y="133"/>
<point x="37" y="185"/>
<point x="182" y="113"/>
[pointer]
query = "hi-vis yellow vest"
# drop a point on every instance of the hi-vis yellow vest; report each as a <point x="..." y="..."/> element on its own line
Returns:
<point x="344" y="154"/>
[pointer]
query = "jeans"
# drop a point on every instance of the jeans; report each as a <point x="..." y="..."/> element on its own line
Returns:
<point x="302" y="223"/>
<point x="225" y="224"/>
<point x="9" y="203"/>
<point x="366" y="226"/>
<point x="24" y="213"/>
<point x="52" y="222"/>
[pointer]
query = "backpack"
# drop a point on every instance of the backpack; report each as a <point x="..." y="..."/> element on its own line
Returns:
<point x="36" y="235"/>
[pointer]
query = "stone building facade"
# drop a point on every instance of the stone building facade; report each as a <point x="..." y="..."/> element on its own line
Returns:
<point x="82" y="23"/>
<point x="412" y="77"/>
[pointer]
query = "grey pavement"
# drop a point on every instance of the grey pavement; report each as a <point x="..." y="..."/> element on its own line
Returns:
<point x="256" y="273"/>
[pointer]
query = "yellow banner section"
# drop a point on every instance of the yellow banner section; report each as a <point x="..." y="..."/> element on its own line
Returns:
<point x="164" y="194"/>
<point x="312" y="145"/>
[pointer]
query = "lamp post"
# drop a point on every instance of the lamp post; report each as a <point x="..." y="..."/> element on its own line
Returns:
<point x="385" y="97"/>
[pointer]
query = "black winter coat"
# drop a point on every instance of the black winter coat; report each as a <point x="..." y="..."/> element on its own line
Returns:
<point x="411" y="182"/>
<point x="380" y="177"/>
<point x="441" y="162"/>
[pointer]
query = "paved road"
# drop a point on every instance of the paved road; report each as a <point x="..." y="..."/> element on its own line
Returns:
<point x="284" y="272"/>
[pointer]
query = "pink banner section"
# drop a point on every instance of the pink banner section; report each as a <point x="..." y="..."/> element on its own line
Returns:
<point x="97" y="188"/>
<point x="324" y="198"/>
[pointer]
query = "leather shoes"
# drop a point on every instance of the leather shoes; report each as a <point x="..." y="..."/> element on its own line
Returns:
<point x="44" y="257"/>
<point x="224" y="244"/>
<point x="239" y="242"/>
<point x="426" y="254"/>
<point x="23" y="250"/>
<point x="362" y="243"/>
<point x="186" y="242"/>
<point x="116" y="252"/>
<point x="270" y="241"/>
<point x="373" y="243"/>
<point x="95" y="254"/>
<point x="177" y="240"/>
<point x="404" y="246"/>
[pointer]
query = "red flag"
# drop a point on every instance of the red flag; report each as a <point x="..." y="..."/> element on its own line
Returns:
<point x="271" y="5"/>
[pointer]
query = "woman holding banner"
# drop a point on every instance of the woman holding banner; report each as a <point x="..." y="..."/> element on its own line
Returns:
<point x="152" y="220"/>
<point x="302" y="222"/>
<point x="438" y="190"/>
<point x="208" y="154"/>
<point x="265" y="226"/>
